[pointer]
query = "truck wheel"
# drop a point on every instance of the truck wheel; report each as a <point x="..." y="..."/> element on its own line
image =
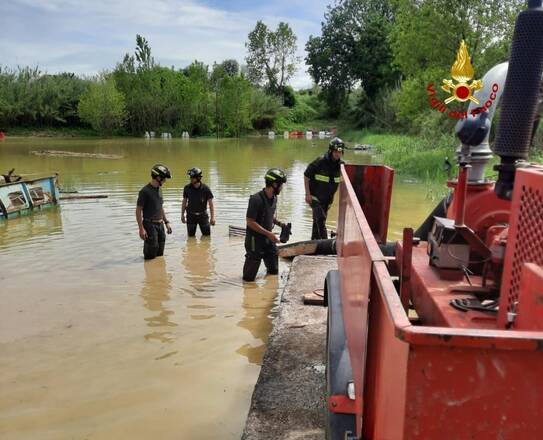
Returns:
<point x="338" y="362"/>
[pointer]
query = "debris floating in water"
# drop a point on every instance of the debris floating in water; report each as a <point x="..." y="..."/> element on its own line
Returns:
<point x="59" y="153"/>
<point x="236" y="231"/>
<point x="84" y="196"/>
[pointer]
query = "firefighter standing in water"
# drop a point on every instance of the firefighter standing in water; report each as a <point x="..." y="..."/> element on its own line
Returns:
<point x="260" y="242"/>
<point x="196" y="197"/>
<point x="321" y="179"/>
<point x="150" y="213"/>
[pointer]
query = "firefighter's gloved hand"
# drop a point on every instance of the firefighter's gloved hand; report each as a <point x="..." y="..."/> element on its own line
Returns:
<point x="285" y="232"/>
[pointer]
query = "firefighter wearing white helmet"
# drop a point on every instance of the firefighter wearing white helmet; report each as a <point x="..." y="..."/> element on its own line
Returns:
<point x="150" y="213"/>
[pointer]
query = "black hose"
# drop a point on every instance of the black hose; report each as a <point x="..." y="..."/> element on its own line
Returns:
<point x="326" y="247"/>
<point x="520" y="96"/>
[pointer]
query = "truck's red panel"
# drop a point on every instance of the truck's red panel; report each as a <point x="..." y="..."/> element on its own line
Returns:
<point x="455" y="376"/>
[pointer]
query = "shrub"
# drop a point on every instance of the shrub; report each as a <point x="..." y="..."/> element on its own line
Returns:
<point x="289" y="97"/>
<point x="103" y="107"/>
<point x="264" y="109"/>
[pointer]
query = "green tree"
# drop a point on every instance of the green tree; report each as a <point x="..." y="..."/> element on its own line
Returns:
<point x="232" y="98"/>
<point x="230" y="67"/>
<point x="152" y="93"/>
<point x="196" y="101"/>
<point x="427" y="33"/>
<point x="234" y="105"/>
<point x="30" y="98"/>
<point x="353" y="49"/>
<point x="103" y="107"/>
<point x="425" y="39"/>
<point x="143" y="54"/>
<point x="138" y="95"/>
<point x="289" y="97"/>
<point x="264" y="109"/>
<point x="271" y="59"/>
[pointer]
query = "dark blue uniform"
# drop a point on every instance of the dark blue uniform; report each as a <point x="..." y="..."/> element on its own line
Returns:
<point x="324" y="176"/>
<point x="257" y="246"/>
<point x="197" y="199"/>
<point x="151" y="201"/>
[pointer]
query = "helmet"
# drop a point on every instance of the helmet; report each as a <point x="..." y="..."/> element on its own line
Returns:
<point x="194" y="173"/>
<point x="160" y="170"/>
<point x="336" y="144"/>
<point x="275" y="175"/>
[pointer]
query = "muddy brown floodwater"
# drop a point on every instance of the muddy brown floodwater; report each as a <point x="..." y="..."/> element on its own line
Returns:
<point x="97" y="344"/>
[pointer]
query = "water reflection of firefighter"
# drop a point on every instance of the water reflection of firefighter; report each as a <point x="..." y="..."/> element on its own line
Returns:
<point x="155" y="293"/>
<point x="322" y="177"/>
<point x="258" y="302"/>
<point x="199" y="264"/>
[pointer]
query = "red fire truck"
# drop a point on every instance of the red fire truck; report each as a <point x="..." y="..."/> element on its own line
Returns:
<point x="440" y="335"/>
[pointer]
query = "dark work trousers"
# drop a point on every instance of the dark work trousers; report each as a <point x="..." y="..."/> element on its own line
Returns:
<point x="156" y="239"/>
<point x="320" y="212"/>
<point x="259" y="249"/>
<point x="198" y="219"/>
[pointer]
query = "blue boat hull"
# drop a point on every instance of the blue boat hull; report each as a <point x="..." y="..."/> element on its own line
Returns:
<point x="24" y="197"/>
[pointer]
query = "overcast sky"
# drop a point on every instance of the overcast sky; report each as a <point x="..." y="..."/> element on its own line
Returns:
<point x="89" y="36"/>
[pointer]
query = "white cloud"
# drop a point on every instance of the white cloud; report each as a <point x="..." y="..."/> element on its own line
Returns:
<point x="72" y="35"/>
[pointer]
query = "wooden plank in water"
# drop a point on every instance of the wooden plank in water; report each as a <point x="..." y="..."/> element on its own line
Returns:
<point x="84" y="196"/>
<point x="236" y="231"/>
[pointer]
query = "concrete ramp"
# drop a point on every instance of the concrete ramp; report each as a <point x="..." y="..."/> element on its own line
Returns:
<point x="288" y="401"/>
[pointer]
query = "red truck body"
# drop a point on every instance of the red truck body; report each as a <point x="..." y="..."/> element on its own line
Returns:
<point x="436" y="372"/>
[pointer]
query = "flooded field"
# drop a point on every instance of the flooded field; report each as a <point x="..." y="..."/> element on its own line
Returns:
<point x="97" y="344"/>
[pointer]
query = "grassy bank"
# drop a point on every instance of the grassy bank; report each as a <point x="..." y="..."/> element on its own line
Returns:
<point x="412" y="155"/>
<point x="417" y="156"/>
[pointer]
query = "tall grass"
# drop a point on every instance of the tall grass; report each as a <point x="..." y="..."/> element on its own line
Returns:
<point x="422" y="157"/>
<point x="414" y="156"/>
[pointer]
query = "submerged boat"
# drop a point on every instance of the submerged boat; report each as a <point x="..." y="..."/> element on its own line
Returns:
<point x="24" y="196"/>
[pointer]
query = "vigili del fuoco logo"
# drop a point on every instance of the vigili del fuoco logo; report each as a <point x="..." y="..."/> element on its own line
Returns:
<point x="462" y="90"/>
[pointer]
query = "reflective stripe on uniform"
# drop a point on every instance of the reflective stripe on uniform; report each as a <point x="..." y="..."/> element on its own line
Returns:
<point x="337" y="179"/>
<point x="322" y="178"/>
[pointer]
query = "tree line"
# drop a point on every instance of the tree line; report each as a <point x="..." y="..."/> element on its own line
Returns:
<point x="370" y="65"/>
<point x="374" y="58"/>
<point x="140" y="95"/>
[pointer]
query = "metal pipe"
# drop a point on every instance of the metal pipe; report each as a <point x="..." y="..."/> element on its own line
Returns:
<point x="407" y="263"/>
<point x="474" y="132"/>
<point x="460" y="194"/>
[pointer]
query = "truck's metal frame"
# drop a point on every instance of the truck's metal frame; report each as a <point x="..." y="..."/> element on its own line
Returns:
<point x="423" y="381"/>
